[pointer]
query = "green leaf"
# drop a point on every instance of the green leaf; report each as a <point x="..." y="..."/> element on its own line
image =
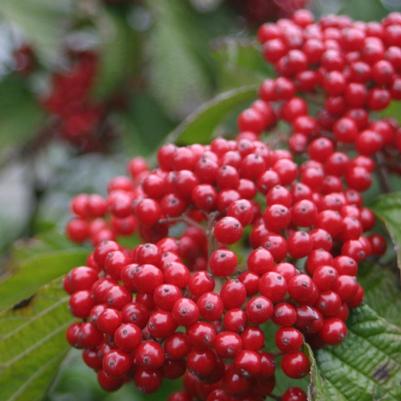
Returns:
<point x="34" y="266"/>
<point x="118" y="53"/>
<point x="43" y="23"/>
<point x="362" y="10"/>
<point x="388" y="208"/>
<point x="32" y="344"/>
<point x="200" y="126"/>
<point x="177" y="76"/>
<point x="382" y="291"/>
<point x="144" y="125"/>
<point x="20" y="114"/>
<point x="365" y="367"/>
<point x="239" y="63"/>
<point x="393" y="110"/>
<point x="319" y="388"/>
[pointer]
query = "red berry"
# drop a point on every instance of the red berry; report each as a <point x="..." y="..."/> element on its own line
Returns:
<point x="233" y="294"/>
<point x="284" y="314"/>
<point x="185" y="312"/>
<point x="127" y="337"/>
<point x="259" y="309"/>
<point x="149" y="355"/>
<point x="228" y="230"/>
<point x="147" y="380"/>
<point x="248" y="363"/>
<point x="333" y="331"/>
<point x="210" y="306"/>
<point x="116" y="363"/>
<point x="228" y="344"/>
<point x="295" y="365"/>
<point x="294" y="394"/>
<point x="223" y="262"/>
<point x="165" y="296"/>
<point x="289" y="339"/>
<point x="273" y="286"/>
<point x="260" y="261"/>
<point x="302" y="289"/>
<point x="161" y="324"/>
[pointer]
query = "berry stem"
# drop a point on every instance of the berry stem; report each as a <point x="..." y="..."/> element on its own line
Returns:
<point x="183" y="219"/>
<point x="211" y="240"/>
<point x="381" y="174"/>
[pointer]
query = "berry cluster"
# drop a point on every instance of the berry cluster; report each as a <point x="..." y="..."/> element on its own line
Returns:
<point x="238" y="238"/>
<point x="354" y="66"/>
<point x="80" y="119"/>
<point x="99" y="219"/>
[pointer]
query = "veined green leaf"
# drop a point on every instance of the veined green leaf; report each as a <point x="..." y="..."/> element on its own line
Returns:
<point x="382" y="291"/>
<point x="34" y="266"/>
<point x="32" y="344"/>
<point x="365" y="367"/>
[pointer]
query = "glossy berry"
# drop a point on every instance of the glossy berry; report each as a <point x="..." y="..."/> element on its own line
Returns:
<point x="223" y="262"/>
<point x="294" y="394"/>
<point x="333" y="331"/>
<point x="295" y="365"/>
<point x="127" y="337"/>
<point x="259" y="309"/>
<point x="288" y="339"/>
<point x="228" y="230"/>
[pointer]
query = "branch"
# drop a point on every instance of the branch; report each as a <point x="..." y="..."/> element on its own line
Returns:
<point x="183" y="219"/>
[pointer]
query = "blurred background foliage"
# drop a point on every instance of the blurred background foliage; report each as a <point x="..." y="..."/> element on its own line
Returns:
<point x="153" y="63"/>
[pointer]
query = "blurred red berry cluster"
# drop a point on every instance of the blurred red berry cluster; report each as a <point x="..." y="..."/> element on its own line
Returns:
<point x="79" y="117"/>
